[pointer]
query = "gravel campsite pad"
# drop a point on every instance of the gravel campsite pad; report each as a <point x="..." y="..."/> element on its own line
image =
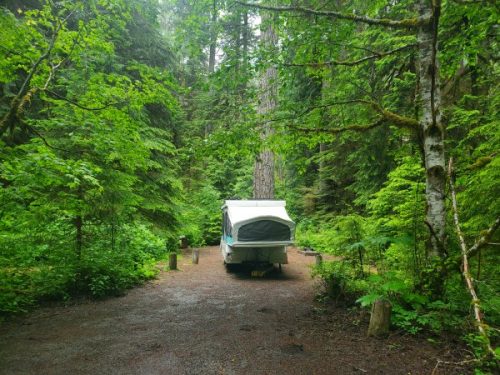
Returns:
<point x="204" y="320"/>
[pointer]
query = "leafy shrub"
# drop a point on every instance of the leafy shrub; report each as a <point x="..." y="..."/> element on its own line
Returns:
<point x="202" y="217"/>
<point x="335" y="236"/>
<point x="110" y="271"/>
<point x="309" y="233"/>
<point x="412" y="311"/>
<point x="32" y="271"/>
<point x="15" y="295"/>
<point x="340" y="280"/>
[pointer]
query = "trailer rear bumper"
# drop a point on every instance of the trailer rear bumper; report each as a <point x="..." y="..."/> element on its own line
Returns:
<point x="261" y="254"/>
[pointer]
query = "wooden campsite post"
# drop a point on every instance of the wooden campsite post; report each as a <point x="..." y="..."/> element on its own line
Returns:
<point x="380" y="319"/>
<point x="183" y="242"/>
<point x="172" y="261"/>
<point x="319" y="259"/>
<point x="172" y="256"/>
<point x="196" y="256"/>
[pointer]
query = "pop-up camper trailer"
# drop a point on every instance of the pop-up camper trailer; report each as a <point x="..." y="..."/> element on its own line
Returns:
<point x="256" y="231"/>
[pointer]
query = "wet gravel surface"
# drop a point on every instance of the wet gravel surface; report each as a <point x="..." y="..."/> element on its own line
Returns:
<point x="204" y="320"/>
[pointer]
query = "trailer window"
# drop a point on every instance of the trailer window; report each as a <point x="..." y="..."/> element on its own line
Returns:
<point x="264" y="230"/>
<point x="226" y="225"/>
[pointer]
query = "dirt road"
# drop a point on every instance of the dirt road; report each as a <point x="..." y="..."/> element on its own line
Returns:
<point x="202" y="320"/>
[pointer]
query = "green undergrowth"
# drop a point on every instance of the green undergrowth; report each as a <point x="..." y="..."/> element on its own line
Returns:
<point x="57" y="273"/>
<point x="201" y="217"/>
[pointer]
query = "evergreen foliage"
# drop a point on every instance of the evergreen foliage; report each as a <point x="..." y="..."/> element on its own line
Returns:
<point x="88" y="174"/>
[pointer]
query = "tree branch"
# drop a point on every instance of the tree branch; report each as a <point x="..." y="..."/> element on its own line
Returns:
<point x="463" y="70"/>
<point x="312" y="108"/>
<point x="376" y="55"/>
<point x="394" y="118"/>
<point x="17" y="103"/>
<point x="53" y="68"/>
<point x="482" y="161"/>
<point x="405" y="23"/>
<point x="60" y="97"/>
<point x="39" y="135"/>
<point x="484" y="240"/>
<point x="470" y="2"/>
<point x="386" y="116"/>
<point x="358" y="128"/>
<point x="465" y="261"/>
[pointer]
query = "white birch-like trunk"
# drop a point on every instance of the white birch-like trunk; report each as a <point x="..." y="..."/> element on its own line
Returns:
<point x="469" y="281"/>
<point x="431" y="126"/>
<point x="263" y="183"/>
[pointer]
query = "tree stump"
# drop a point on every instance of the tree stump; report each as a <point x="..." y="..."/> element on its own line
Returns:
<point x="380" y="319"/>
<point x="172" y="261"/>
<point x="319" y="259"/>
<point x="196" y="256"/>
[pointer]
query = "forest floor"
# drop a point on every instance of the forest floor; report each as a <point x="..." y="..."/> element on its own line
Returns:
<point x="203" y="320"/>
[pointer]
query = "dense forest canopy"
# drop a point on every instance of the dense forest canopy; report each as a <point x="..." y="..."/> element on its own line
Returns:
<point x="126" y="123"/>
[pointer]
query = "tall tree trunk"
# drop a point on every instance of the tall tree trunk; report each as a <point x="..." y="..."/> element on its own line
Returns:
<point x="243" y="46"/>
<point x="323" y="188"/>
<point x="431" y="126"/>
<point x="263" y="184"/>
<point x="213" y="38"/>
<point x="211" y="55"/>
<point x="239" y="39"/>
<point x="245" y="37"/>
<point x="323" y="175"/>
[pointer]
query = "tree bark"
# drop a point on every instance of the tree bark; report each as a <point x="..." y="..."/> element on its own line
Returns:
<point x="323" y="175"/>
<point x="431" y="126"/>
<point x="245" y="37"/>
<point x="263" y="184"/>
<point x="242" y="45"/>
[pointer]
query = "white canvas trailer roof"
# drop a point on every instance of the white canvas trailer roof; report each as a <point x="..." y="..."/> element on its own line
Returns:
<point x="266" y="214"/>
<point x="242" y="211"/>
